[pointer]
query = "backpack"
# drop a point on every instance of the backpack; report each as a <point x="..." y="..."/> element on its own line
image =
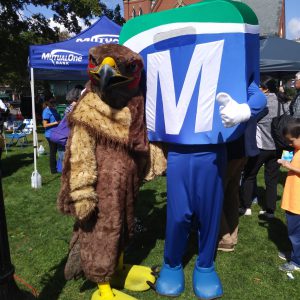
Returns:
<point x="277" y="125"/>
<point x="60" y="133"/>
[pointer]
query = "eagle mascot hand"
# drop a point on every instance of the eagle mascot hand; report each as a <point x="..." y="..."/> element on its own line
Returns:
<point x="103" y="167"/>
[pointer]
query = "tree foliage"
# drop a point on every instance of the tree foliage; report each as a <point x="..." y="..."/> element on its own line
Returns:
<point x="18" y="31"/>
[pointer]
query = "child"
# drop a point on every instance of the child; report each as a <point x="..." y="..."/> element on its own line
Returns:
<point x="291" y="195"/>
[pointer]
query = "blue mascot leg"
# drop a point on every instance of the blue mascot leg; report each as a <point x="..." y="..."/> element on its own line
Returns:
<point x="179" y="215"/>
<point x="208" y="202"/>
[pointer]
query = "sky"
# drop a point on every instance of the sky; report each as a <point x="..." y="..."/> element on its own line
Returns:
<point x="292" y="15"/>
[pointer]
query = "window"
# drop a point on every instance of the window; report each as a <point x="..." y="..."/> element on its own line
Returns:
<point x="133" y="14"/>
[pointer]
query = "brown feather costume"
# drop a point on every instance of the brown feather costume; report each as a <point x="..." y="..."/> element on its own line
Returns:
<point x="103" y="168"/>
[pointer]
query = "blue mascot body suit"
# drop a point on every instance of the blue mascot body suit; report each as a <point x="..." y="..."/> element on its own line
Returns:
<point x="201" y="65"/>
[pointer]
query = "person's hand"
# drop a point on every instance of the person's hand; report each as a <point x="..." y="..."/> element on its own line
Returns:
<point x="232" y="112"/>
<point x="286" y="164"/>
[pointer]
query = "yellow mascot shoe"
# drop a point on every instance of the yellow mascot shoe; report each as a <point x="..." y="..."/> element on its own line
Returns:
<point x="116" y="295"/>
<point x="133" y="278"/>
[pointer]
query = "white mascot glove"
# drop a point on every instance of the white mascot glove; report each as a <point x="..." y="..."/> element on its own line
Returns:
<point x="232" y="113"/>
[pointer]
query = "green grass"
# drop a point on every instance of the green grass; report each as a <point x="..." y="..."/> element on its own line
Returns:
<point x="39" y="236"/>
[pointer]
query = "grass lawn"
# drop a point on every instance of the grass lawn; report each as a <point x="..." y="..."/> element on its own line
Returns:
<point x="39" y="237"/>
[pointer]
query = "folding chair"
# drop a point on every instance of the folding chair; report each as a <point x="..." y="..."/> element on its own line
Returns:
<point x="19" y="134"/>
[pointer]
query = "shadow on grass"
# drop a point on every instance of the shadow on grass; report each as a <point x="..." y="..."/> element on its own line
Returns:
<point x="88" y="285"/>
<point x="153" y="217"/>
<point x="13" y="163"/>
<point x="53" y="284"/>
<point x="277" y="232"/>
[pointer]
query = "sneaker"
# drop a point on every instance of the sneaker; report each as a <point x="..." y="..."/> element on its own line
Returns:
<point x="248" y="212"/>
<point x="284" y="255"/>
<point x="245" y="211"/>
<point x="225" y="247"/>
<point x="289" y="267"/>
<point x="266" y="214"/>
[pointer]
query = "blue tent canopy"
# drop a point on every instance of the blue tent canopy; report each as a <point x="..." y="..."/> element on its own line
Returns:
<point x="68" y="60"/>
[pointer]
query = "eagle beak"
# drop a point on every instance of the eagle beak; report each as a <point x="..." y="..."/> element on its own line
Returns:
<point x="108" y="74"/>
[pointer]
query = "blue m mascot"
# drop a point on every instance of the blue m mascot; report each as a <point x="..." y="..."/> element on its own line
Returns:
<point x="201" y="66"/>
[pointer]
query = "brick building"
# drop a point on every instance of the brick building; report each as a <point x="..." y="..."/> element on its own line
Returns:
<point x="134" y="8"/>
<point x="270" y="13"/>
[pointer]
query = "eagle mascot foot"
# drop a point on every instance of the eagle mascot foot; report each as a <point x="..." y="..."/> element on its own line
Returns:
<point x="206" y="283"/>
<point x="170" y="281"/>
<point x="105" y="292"/>
<point x="133" y="278"/>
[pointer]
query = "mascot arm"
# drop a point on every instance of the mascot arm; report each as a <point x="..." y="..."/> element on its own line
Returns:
<point x="233" y="113"/>
<point x="83" y="173"/>
<point x="257" y="100"/>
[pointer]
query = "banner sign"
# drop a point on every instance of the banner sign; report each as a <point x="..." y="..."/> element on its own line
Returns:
<point x="72" y="54"/>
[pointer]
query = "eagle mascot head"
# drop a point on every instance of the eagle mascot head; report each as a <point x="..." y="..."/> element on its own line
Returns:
<point x="115" y="73"/>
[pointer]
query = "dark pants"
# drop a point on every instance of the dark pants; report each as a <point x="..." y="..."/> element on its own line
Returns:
<point x="293" y="225"/>
<point x="195" y="189"/>
<point x="52" y="157"/>
<point x="269" y="159"/>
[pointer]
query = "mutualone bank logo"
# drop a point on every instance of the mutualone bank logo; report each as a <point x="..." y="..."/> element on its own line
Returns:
<point x="62" y="57"/>
<point x="100" y="38"/>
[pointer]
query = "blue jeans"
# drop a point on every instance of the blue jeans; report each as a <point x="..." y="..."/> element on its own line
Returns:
<point x="293" y="225"/>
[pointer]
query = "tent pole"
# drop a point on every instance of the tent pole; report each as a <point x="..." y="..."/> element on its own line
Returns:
<point x="33" y="118"/>
<point x="36" y="180"/>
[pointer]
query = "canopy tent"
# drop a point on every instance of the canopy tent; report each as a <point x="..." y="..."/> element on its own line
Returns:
<point x="67" y="60"/>
<point x="278" y="55"/>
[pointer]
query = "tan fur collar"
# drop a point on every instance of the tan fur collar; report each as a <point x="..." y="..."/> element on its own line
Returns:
<point x="101" y="119"/>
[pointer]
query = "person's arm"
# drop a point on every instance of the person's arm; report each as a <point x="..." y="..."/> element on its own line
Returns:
<point x="46" y="118"/>
<point x="46" y="123"/>
<point x="286" y="164"/>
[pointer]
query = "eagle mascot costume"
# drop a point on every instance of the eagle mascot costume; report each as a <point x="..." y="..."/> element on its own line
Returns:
<point x="103" y="167"/>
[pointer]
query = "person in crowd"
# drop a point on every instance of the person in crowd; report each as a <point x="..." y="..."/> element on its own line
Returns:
<point x="4" y="112"/>
<point x="291" y="196"/>
<point x="295" y="104"/>
<point x="72" y="97"/>
<point x="51" y="119"/>
<point x="268" y="156"/>
<point x="237" y="153"/>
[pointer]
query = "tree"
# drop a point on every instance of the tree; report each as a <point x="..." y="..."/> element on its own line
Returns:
<point x="117" y="16"/>
<point x="18" y="31"/>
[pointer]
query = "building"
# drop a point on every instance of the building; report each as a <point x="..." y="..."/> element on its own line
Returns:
<point x="134" y="8"/>
<point x="270" y="13"/>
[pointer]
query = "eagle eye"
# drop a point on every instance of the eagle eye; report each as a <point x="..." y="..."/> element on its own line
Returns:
<point x="132" y="67"/>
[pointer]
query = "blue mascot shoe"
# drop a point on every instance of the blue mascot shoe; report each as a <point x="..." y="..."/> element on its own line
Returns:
<point x="170" y="281"/>
<point x="207" y="284"/>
